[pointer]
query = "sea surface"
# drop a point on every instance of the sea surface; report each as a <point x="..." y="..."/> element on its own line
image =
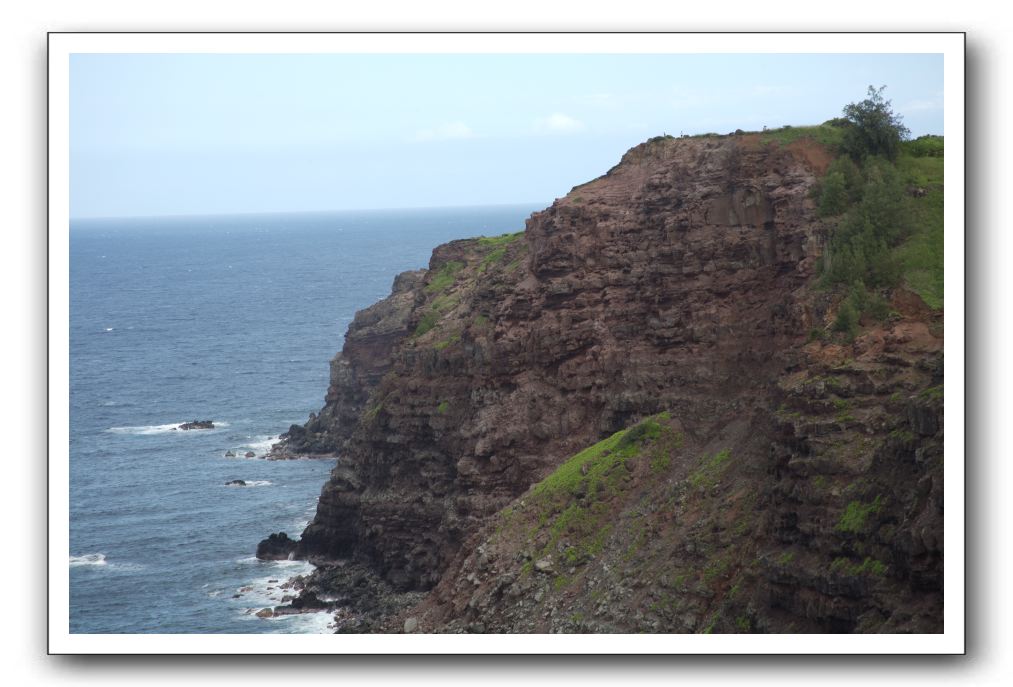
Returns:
<point x="225" y="318"/>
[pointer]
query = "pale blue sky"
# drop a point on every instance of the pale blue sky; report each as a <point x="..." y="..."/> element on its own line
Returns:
<point x="206" y="134"/>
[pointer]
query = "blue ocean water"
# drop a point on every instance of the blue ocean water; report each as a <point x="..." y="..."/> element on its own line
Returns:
<point x="228" y="318"/>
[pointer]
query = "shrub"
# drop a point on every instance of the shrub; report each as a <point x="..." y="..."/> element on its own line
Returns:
<point x="834" y="195"/>
<point x="924" y="146"/>
<point x="876" y="130"/>
<point x="847" y="319"/>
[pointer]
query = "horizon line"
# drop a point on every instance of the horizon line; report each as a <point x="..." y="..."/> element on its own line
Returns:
<point x="257" y="213"/>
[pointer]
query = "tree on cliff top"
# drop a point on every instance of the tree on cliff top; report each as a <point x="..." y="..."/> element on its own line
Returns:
<point x="875" y="128"/>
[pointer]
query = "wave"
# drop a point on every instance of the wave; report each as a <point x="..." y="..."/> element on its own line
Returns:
<point x="171" y="428"/>
<point x="99" y="560"/>
<point x="259" y="445"/>
<point x="88" y="559"/>
<point x="270" y="592"/>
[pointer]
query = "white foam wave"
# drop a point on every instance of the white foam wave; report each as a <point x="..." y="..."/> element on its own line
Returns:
<point x="258" y="445"/>
<point x="271" y="591"/>
<point x="88" y="559"/>
<point x="109" y="329"/>
<point x="171" y="428"/>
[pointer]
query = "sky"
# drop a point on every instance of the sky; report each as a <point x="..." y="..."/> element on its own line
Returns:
<point x="192" y="134"/>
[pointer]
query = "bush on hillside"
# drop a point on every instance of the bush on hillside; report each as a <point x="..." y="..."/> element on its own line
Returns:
<point x="876" y="129"/>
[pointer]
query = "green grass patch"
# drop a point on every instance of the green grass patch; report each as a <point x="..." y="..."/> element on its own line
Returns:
<point x="854" y="520"/>
<point x="449" y="341"/>
<point x="933" y="393"/>
<point x="492" y="258"/>
<point x="710" y="471"/>
<point x="443" y="407"/>
<point x="869" y="566"/>
<point x="444" y="276"/>
<point x="825" y="134"/>
<point x="921" y="255"/>
<point x="426" y="324"/>
<point x="601" y="459"/>
<point x="499" y="241"/>
<point x="445" y="303"/>
<point x="572" y="504"/>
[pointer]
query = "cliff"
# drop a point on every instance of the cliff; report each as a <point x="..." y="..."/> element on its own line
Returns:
<point x="618" y="420"/>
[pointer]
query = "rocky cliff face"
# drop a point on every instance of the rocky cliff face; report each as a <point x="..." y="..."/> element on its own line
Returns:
<point x="780" y="485"/>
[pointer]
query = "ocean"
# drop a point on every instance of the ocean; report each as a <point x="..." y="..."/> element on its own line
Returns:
<point x="225" y="318"/>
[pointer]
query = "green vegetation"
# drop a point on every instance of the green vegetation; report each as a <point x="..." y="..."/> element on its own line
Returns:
<point x="710" y="471"/>
<point x="600" y="460"/>
<point x="481" y="320"/>
<point x="440" y="305"/>
<point x="921" y="255"/>
<point x="715" y="569"/>
<point x="492" y="258"/>
<point x="443" y="407"/>
<point x="875" y="128"/>
<point x="572" y="503"/>
<point x="449" y="341"/>
<point x="827" y="134"/>
<point x="855" y="516"/>
<point x="427" y="322"/>
<point x="372" y="412"/>
<point x="499" y="241"/>
<point x="887" y="194"/>
<point x="445" y="303"/>
<point x="445" y="276"/>
<point x="924" y="146"/>
<point x="870" y="566"/>
<point x="933" y="393"/>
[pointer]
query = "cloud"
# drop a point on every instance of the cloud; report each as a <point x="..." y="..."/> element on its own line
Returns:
<point x="445" y="132"/>
<point x="559" y="123"/>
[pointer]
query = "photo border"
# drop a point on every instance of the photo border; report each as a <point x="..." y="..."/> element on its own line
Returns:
<point x="62" y="44"/>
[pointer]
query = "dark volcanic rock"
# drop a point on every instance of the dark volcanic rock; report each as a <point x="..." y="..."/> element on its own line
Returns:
<point x="680" y="281"/>
<point x="276" y="547"/>
<point x="236" y="483"/>
<point x="197" y="424"/>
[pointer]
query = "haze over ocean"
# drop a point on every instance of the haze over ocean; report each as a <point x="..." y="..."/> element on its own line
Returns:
<point x="228" y="318"/>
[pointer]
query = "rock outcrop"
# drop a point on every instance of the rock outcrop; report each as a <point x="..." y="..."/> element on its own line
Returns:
<point x="789" y="485"/>
<point x="197" y="424"/>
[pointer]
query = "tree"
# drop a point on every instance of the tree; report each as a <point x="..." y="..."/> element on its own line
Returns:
<point x="875" y="128"/>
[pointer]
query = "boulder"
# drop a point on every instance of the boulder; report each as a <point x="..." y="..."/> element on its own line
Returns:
<point x="277" y="547"/>
<point x="236" y="483"/>
<point x="250" y="454"/>
<point x="197" y="424"/>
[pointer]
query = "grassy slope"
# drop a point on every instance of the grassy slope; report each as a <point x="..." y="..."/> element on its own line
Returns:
<point x="922" y="252"/>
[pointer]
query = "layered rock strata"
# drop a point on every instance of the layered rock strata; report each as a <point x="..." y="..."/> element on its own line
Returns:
<point x="680" y="282"/>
